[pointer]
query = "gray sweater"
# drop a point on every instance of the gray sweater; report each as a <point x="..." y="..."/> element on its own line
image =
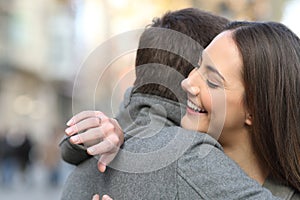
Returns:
<point x="160" y="160"/>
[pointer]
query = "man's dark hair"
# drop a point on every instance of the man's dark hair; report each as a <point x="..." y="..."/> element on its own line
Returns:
<point x="198" y="25"/>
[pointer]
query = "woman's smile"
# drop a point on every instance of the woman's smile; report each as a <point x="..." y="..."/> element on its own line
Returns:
<point x="192" y="108"/>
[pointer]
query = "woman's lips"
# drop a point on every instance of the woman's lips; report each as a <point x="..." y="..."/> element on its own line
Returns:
<point x="192" y="107"/>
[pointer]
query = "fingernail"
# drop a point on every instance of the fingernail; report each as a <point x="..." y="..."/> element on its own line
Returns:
<point x="75" y="139"/>
<point x="69" y="130"/>
<point x="70" y="122"/>
<point x="91" y="150"/>
<point x="106" y="197"/>
<point x="101" y="168"/>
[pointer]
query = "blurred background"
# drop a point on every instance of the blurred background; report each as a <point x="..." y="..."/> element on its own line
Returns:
<point x="43" y="46"/>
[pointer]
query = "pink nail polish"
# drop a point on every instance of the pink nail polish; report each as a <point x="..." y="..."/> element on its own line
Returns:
<point x="69" y="130"/>
<point x="91" y="150"/>
<point x="70" y="122"/>
<point x="74" y="139"/>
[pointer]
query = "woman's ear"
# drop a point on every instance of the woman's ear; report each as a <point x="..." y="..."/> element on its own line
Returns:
<point x="248" y="119"/>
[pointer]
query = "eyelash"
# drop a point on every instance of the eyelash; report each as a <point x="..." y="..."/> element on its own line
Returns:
<point x="211" y="85"/>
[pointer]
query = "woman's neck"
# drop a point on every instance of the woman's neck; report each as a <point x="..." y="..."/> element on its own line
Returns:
<point x="242" y="152"/>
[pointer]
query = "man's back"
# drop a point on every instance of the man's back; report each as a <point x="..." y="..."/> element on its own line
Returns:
<point x="167" y="162"/>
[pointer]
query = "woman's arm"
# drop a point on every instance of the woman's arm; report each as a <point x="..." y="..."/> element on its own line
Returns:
<point x="73" y="153"/>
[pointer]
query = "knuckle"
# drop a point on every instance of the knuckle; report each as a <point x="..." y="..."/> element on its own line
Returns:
<point x="99" y="133"/>
<point x="110" y="127"/>
<point x="104" y="132"/>
<point x="116" y="123"/>
<point x="97" y="130"/>
<point x="101" y="114"/>
<point x="115" y="140"/>
<point x="95" y="121"/>
<point x="112" y="120"/>
<point x="79" y="139"/>
<point x="104" y="119"/>
<point x="76" y="128"/>
<point x="97" y="113"/>
<point x="108" y="147"/>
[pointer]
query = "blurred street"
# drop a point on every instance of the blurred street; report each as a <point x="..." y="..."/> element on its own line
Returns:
<point x="45" y="78"/>
<point x="34" y="185"/>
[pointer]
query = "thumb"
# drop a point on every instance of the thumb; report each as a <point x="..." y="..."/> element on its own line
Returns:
<point x="96" y="197"/>
<point x="105" y="159"/>
<point x="106" y="197"/>
<point x="101" y="166"/>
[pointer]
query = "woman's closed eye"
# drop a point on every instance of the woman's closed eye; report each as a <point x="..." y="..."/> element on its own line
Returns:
<point x="213" y="78"/>
<point x="211" y="84"/>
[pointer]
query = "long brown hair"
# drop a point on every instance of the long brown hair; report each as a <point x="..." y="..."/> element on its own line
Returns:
<point x="271" y="73"/>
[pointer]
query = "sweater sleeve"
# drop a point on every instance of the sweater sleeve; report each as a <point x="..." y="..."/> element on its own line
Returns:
<point x="72" y="153"/>
<point x="206" y="171"/>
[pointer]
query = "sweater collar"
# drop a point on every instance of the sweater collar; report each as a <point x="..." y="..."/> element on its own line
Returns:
<point x="138" y="104"/>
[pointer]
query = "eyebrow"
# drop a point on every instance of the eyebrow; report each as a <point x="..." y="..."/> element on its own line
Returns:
<point x="212" y="69"/>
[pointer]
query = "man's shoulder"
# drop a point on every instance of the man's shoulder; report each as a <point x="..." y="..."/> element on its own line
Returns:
<point x="151" y="139"/>
<point x="83" y="181"/>
<point x="156" y="150"/>
<point x="166" y="140"/>
<point x="201" y="155"/>
<point x="280" y="190"/>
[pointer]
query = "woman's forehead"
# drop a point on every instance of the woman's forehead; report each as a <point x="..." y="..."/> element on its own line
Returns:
<point x="223" y="54"/>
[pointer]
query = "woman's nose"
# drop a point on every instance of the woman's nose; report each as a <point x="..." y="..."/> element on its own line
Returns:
<point x="189" y="86"/>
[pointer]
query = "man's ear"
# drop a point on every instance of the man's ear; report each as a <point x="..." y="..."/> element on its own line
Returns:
<point x="248" y="119"/>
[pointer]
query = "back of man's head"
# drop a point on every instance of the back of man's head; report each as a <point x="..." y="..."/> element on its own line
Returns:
<point x="151" y="63"/>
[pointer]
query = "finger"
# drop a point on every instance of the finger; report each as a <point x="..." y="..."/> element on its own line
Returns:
<point x="106" y="197"/>
<point x="96" y="197"/>
<point x="105" y="159"/>
<point x="80" y="116"/>
<point x="94" y="135"/>
<point x="108" y="128"/>
<point x="101" y="167"/>
<point x="117" y="130"/>
<point x="115" y="122"/>
<point x="83" y="115"/>
<point x="110" y="144"/>
<point x="85" y="124"/>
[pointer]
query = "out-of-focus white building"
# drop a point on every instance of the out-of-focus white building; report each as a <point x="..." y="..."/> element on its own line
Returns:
<point x="45" y="44"/>
<point x="50" y="66"/>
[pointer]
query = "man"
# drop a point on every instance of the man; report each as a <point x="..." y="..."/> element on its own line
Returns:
<point x="160" y="160"/>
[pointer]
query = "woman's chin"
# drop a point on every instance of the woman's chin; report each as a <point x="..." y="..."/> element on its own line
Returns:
<point x="193" y="125"/>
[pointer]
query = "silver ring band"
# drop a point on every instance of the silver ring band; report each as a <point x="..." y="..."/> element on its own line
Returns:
<point x="99" y="120"/>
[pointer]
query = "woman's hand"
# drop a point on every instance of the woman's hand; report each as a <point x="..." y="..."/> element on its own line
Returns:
<point x="102" y="135"/>
<point x="105" y="197"/>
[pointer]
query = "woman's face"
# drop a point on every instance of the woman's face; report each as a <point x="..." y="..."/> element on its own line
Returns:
<point x="215" y="90"/>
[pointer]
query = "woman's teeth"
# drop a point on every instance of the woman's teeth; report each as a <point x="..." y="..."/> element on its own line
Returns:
<point x="194" y="107"/>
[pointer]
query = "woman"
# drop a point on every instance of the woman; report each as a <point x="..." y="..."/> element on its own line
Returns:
<point x="255" y="69"/>
<point x="257" y="66"/>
